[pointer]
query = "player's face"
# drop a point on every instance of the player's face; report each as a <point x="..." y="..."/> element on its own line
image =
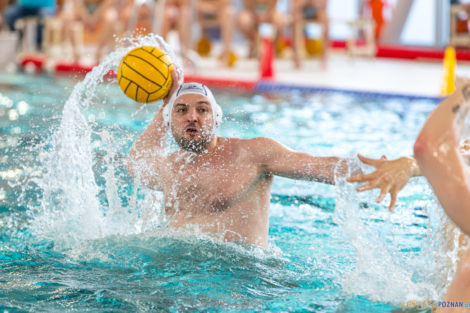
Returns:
<point x="192" y="122"/>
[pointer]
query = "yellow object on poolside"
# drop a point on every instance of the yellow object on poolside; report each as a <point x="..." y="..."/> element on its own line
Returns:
<point x="448" y="77"/>
<point x="232" y="59"/>
<point x="313" y="46"/>
<point x="204" y="47"/>
<point x="144" y="74"/>
<point x="280" y="46"/>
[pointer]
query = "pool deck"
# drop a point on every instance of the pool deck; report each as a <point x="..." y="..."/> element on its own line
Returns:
<point x="417" y="78"/>
<point x="422" y="77"/>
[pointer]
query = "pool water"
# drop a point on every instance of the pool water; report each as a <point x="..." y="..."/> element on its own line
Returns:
<point x="77" y="234"/>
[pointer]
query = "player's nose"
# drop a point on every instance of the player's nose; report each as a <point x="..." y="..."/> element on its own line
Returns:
<point x="192" y="115"/>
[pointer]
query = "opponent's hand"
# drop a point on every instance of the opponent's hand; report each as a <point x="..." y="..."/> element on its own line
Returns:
<point x="390" y="176"/>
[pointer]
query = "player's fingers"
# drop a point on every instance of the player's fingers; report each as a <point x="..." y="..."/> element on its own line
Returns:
<point x="393" y="196"/>
<point x="368" y="161"/>
<point x="361" y="178"/>
<point x="383" y="193"/>
<point x="366" y="187"/>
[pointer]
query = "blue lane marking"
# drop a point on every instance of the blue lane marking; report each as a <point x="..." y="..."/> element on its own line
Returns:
<point x="268" y="86"/>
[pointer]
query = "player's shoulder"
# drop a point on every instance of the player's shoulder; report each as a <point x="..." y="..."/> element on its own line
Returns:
<point x="256" y="147"/>
<point x="257" y="142"/>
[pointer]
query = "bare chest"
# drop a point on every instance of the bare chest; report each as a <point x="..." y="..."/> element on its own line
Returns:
<point x="210" y="186"/>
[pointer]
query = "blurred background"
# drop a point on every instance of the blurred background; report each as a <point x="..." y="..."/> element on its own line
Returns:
<point x="248" y="39"/>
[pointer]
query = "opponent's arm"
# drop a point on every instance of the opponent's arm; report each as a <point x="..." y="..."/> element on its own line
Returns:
<point x="439" y="157"/>
<point x="147" y="153"/>
<point x="276" y="159"/>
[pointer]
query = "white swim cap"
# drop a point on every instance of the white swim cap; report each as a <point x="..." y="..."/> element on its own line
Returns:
<point x="194" y="89"/>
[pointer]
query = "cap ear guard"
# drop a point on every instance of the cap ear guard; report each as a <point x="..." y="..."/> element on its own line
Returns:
<point x="198" y="89"/>
<point x="217" y="113"/>
<point x="166" y="114"/>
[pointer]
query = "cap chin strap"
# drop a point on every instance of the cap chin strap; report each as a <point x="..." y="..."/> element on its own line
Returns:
<point x="195" y="89"/>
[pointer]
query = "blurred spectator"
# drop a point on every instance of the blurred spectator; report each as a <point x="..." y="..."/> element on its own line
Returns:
<point x="137" y="15"/>
<point x="309" y="11"/>
<point x="3" y="5"/>
<point x="73" y="15"/>
<point x="177" y="15"/>
<point x="107" y="17"/>
<point x="113" y="17"/>
<point x="256" y="12"/>
<point x="220" y="13"/>
<point x="30" y="8"/>
<point x="466" y="5"/>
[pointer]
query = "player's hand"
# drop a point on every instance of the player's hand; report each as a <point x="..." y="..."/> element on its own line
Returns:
<point x="390" y="176"/>
<point x="177" y="81"/>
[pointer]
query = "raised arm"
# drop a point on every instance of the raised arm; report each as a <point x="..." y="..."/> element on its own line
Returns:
<point x="439" y="157"/>
<point x="147" y="153"/>
<point x="276" y="159"/>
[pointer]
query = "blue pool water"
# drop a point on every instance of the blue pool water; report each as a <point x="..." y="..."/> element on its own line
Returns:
<point x="77" y="235"/>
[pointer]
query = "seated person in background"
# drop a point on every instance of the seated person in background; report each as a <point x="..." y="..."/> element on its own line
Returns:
<point x="223" y="185"/>
<point x="110" y="16"/>
<point x="113" y="17"/>
<point x="256" y="12"/>
<point x="440" y="159"/>
<point x="465" y="6"/>
<point x="3" y="5"/>
<point x="30" y="8"/>
<point x="218" y="12"/>
<point x="178" y="16"/>
<point x="73" y="14"/>
<point x="305" y="11"/>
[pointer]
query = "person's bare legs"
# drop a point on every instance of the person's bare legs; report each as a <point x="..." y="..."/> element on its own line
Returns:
<point x="226" y="17"/>
<point x="466" y="7"/>
<point x="323" y="20"/>
<point x="184" y="26"/>
<point x="247" y="26"/>
<point x="68" y="22"/>
<point x="108" y="24"/>
<point x="170" y="17"/>
<point x="297" y="25"/>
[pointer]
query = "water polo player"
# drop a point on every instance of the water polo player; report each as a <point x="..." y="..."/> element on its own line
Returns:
<point x="222" y="185"/>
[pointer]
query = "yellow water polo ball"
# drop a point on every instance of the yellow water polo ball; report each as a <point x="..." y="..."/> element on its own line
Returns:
<point x="144" y="74"/>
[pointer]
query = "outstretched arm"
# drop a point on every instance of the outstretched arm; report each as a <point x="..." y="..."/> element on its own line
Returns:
<point x="439" y="157"/>
<point x="147" y="153"/>
<point x="276" y="159"/>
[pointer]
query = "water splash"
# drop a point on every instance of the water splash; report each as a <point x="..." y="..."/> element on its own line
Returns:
<point x="74" y="205"/>
<point x="384" y="270"/>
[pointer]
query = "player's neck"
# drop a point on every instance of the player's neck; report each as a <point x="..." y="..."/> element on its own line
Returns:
<point x="212" y="146"/>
